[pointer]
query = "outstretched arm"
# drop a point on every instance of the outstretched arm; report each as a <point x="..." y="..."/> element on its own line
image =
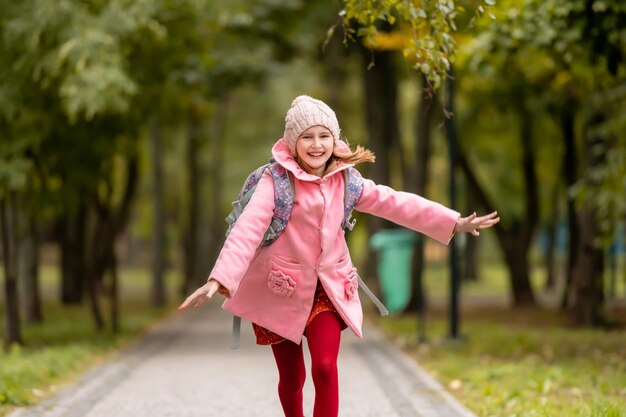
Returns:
<point x="408" y="210"/>
<point x="472" y="223"/>
<point x="240" y="246"/>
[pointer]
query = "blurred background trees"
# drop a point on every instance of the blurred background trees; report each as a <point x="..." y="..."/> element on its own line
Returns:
<point x="126" y="128"/>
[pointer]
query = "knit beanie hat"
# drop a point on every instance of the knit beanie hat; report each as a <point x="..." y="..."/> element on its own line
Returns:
<point x="305" y="112"/>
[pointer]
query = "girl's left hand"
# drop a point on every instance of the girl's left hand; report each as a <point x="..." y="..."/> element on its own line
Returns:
<point x="202" y="294"/>
<point x="471" y="223"/>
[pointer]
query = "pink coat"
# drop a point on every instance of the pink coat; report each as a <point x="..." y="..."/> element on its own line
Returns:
<point x="273" y="286"/>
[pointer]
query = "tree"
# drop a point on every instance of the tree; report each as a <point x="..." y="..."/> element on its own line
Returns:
<point x="423" y="129"/>
<point x="572" y="47"/>
<point x="17" y="136"/>
<point x="586" y="34"/>
<point x="246" y="42"/>
<point x="429" y="46"/>
<point x="75" y="56"/>
<point x="8" y="222"/>
<point x="424" y="35"/>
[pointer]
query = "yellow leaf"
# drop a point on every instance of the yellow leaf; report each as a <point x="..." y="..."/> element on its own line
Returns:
<point x="386" y="41"/>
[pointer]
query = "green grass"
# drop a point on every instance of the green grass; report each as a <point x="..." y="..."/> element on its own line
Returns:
<point x="517" y="363"/>
<point x="493" y="282"/>
<point x="522" y="363"/>
<point x="66" y="344"/>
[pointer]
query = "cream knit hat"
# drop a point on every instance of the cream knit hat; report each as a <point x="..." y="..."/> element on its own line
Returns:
<point x="305" y="112"/>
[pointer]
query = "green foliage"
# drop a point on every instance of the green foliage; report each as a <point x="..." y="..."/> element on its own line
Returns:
<point x="85" y="76"/>
<point x="13" y="173"/>
<point x="67" y="85"/>
<point x="547" y="55"/>
<point x="79" y="50"/>
<point x="429" y="45"/>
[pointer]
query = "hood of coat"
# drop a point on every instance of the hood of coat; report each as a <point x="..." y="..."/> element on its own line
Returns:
<point x="282" y="155"/>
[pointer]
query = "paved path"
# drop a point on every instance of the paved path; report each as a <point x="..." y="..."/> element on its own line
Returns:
<point x="185" y="368"/>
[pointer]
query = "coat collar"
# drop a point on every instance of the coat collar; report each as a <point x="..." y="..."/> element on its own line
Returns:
<point x="283" y="156"/>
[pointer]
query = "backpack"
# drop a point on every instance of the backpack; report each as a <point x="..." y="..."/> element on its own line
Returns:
<point x="284" y="192"/>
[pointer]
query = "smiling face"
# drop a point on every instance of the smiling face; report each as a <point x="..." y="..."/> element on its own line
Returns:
<point x="314" y="147"/>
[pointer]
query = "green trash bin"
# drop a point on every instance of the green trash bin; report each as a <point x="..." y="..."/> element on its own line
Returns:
<point x="395" y="247"/>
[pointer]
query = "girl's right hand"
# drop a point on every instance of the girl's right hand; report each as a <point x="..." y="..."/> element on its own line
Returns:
<point x="202" y="294"/>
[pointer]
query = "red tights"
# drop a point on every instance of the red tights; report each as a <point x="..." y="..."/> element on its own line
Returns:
<point x="323" y="336"/>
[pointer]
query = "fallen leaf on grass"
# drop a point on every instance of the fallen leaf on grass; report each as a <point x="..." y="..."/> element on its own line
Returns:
<point x="38" y="392"/>
<point x="455" y="384"/>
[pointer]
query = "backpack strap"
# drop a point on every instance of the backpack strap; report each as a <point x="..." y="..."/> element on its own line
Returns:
<point x="353" y="184"/>
<point x="284" y="192"/>
<point x="379" y="305"/>
<point x="236" y="335"/>
<point x="244" y="196"/>
<point x="353" y="189"/>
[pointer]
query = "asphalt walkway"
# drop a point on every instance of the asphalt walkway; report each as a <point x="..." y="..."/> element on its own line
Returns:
<point x="185" y="367"/>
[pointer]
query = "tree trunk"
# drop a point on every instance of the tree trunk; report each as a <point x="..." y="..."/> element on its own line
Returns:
<point x="531" y="185"/>
<point x="93" y="268"/>
<point x="516" y="258"/>
<point x="612" y="265"/>
<point x="8" y="220"/>
<point x="624" y="237"/>
<point x="335" y="59"/>
<point x="110" y="221"/>
<point x="588" y="271"/>
<point x="570" y="174"/>
<point x="380" y="87"/>
<point x="115" y="298"/>
<point x="73" y="237"/>
<point x="588" y="285"/>
<point x="452" y="144"/>
<point x="215" y="216"/>
<point x="29" y="271"/>
<point x="552" y="234"/>
<point x="470" y="270"/>
<point x="191" y="241"/>
<point x="120" y="220"/>
<point x="423" y="128"/>
<point x="158" y="239"/>
<point x="515" y="236"/>
<point x="102" y="237"/>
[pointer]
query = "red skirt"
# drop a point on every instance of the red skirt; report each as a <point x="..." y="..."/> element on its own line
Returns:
<point x="321" y="303"/>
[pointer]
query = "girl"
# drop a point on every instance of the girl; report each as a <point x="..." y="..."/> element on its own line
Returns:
<point x="304" y="284"/>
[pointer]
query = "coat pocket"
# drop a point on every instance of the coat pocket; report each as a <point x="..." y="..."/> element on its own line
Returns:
<point x="280" y="280"/>
<point x="351" y="284"/>
<point x="280" y="262"/>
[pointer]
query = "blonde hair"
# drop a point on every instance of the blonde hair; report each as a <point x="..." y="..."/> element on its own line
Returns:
<point x="361" y="154"/>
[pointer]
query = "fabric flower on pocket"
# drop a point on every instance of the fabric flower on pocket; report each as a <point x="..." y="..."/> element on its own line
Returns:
<point x="281" y="284"/>
<point x="351" y="284"/>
